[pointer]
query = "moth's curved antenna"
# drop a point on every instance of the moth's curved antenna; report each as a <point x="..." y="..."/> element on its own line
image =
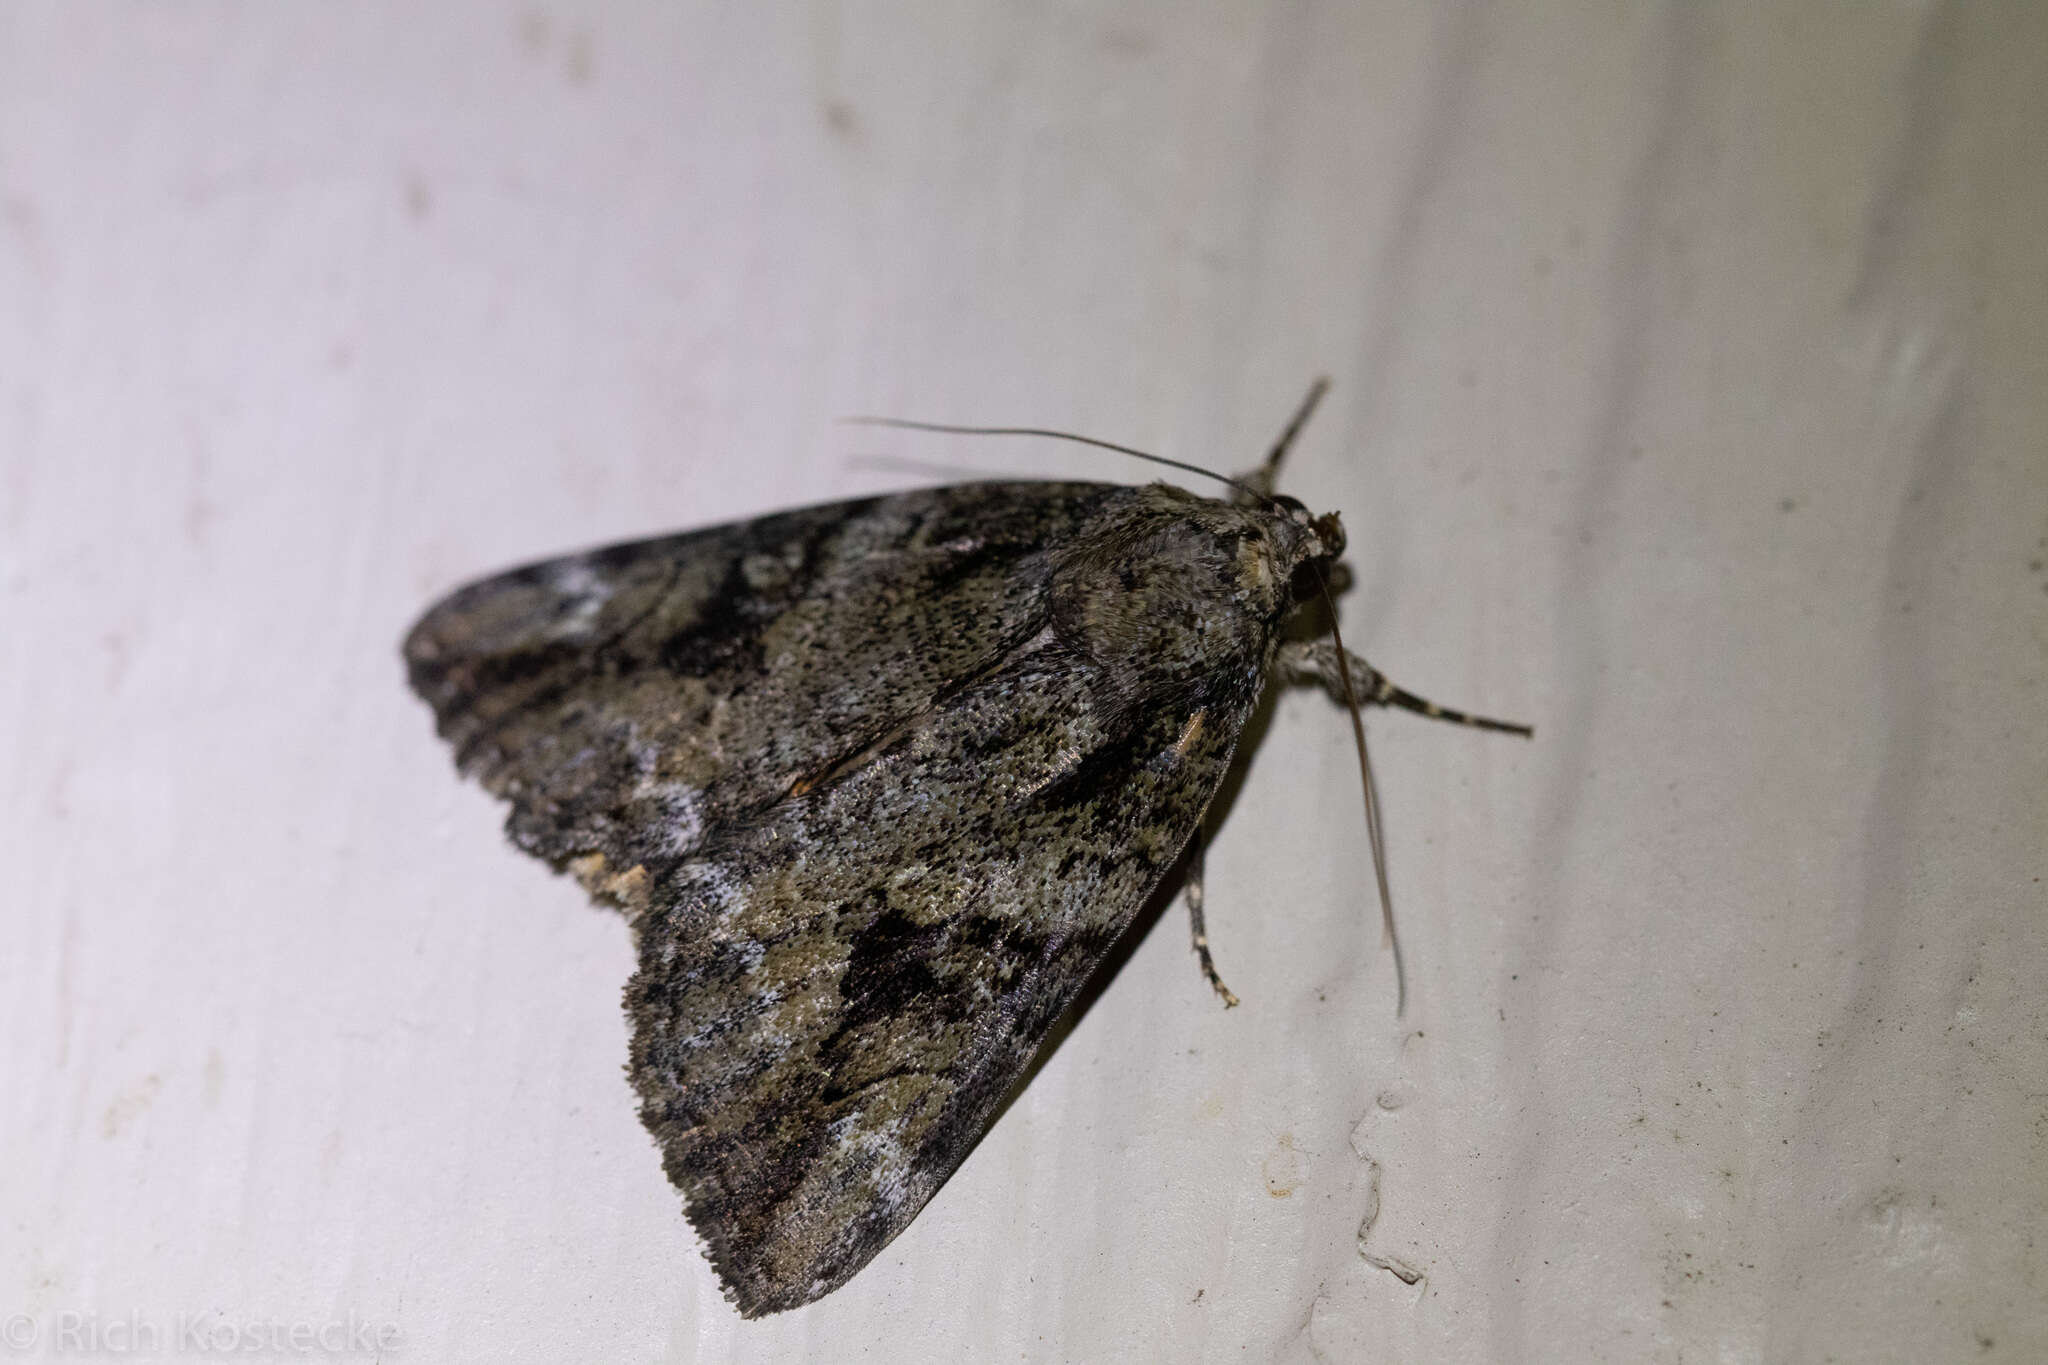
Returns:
<point x="1050" y="434"/>
<point x="1266" y="478"/>
<point x="1258" y="485"/>
<point x="1373" y="837"/>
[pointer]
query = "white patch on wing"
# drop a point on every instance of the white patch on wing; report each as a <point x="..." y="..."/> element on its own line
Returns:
<point x="680" y="805"/>
<point x="584" y="591"/>
<point x="682" y="814"/>
<point x="875" y="1150"/>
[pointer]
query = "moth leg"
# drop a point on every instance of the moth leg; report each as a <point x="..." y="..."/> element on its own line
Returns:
<point x="1256" y="488"/>
<point x="1315" y="661"/>
<point x="1195" y="925"/>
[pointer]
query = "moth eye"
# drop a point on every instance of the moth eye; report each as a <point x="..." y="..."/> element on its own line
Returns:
<point x="1292" y="506"/>
<point x="1304" y="585"/>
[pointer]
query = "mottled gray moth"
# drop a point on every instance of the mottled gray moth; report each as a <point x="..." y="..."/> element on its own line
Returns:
<point x="876" y="784"/>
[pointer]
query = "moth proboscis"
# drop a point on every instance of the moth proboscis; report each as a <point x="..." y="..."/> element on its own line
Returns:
<point x="878" y="783"/>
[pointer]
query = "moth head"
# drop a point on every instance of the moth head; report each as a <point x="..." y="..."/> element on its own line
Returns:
<point x="1326" y="532"/>
<point x="1317" y="541"/>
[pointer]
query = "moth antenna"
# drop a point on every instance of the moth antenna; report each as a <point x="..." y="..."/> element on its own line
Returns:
<point x="902" y="424"/>
<point x="1373" y="837"/>
<point x="1266" y="477"/>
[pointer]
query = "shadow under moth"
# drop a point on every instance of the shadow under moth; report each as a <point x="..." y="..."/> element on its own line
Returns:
<point x="876" y="784"/>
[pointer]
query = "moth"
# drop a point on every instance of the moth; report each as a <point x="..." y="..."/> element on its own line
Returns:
<point x="876" y="784"/>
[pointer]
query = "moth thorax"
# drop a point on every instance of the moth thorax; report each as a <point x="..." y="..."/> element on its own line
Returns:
<point x="1172" y="606"/>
